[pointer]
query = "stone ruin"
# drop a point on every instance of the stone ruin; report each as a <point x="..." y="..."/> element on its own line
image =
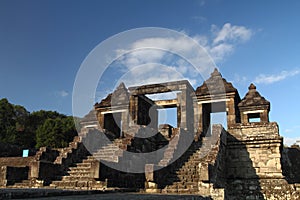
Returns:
<point x="245" y="160"/>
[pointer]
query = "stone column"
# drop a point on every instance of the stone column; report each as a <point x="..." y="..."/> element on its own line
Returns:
<point x="34" y="169"/>
<point x="198" y="119"/>
<point x="3" y="180"/>
<point x="133" y="109"/>
<point x="125" y="121"/>
<point x="150" y="185"/>
<point x="231" y="115"/>
<point x="178" y="110"/>
<point x="189" y="112"/>
<point x="264" y="116"/>
<point x="244" y="118"/>
<point x="183" y="122"/>
<point x="95" y="169"/>
<point x="100" y="117"/>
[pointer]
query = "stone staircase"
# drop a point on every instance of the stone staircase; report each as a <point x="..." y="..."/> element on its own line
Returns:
<point x="109" y="153"/>
<point x="86" y="174"/>
<point x="184" y="178"/>
<point x="22" y="184"/>
<point x="65" y="152"/>
<point x="83" y="175"/>
<point x="186" y="174"/>
<point x="114" y="150"/>
<point x="169" y="152"/>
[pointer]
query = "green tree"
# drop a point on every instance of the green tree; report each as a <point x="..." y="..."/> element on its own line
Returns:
<point x="56" y="133"/>
<point x="7" y="122"/>
<point x="38" y="118"/>
<point x="40" y="128"/>
<point x="25" y="135"/>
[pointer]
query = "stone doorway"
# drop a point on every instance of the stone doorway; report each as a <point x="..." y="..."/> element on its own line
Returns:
<point x="210" y="111"/>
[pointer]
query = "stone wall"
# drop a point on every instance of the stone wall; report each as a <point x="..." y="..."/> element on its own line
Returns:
<point x="254" y="150"/>
<point x="16" y="174"/>
<point x="254" y="169"/>
<point x="213" y="177"/>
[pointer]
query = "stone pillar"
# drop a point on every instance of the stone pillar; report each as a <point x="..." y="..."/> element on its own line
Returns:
<point x="150" y="185"/>
<point x="197" y="120"/>
<point x="189" y="112"/>
<point x="264" y="116"/>
<point x="200" y="118"/>
<point x="100" y="117"/>
<point x="133" y="109"/>
<point x="178" y="110"/>
<point x="231" y="115"/>
<point x="183" y="112"/>
<point x="125" y="121"/>
<point x="95" y="169"/>
<point x="34" y="169"/>
<point x="3" y="181"/>
<point x="244" y="118"/>
<point x="153" y="113"/>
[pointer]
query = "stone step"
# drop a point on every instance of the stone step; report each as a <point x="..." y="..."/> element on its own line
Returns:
<point x="79" y="169"/>
<point x="75" y="178"/>
<point x="169" y="191"/>
<point x="186" y="171"/>
<point x="23" y="183"/>
<point x="116" y="153"/>
<point x="107" y="151"/>
<point x="69" y="184"/>
<point x="88" y="160"/>
<point x="188" y="176"/>
<point x="108" y="158"/>
<point x="79" y="173"/>
<point x="185" y="191"/>
<point x="87" y="165"/>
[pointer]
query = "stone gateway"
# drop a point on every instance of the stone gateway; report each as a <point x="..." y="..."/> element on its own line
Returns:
<point x="245" y="160"/>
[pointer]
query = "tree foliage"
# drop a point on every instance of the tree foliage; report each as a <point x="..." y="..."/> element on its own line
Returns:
<point x="55" y="132"/>
<point x="36" y="129"/>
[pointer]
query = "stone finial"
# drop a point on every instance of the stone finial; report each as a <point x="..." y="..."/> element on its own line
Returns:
<point x="215" y="84"/>
<point x="122" y="85"/>
<point x="252" y="87"/>
<point x="216" y="72"/>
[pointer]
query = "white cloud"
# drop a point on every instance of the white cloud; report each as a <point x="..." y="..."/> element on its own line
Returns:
<point x="269" y="79"/>
<point x="230" y="33"/>
<point x="199" y="19"/>
<point x="238" y="79"/>
<point x="203" y="52"/>
<point x="290" y="141"/>
<point x="146" y="51"/>
<point x="220" y="51"/>
<point x="63" y="93"/>
<point x="150" y="73"/>
<point x="201" y="2"/>
<point x="288" y="130"/>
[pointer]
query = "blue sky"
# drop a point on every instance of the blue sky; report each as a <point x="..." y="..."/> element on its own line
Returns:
<point x="43" y="43"/>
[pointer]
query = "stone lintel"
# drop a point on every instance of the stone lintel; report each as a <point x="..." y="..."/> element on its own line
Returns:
<point x="170" y="103"/>
<point x="161" y="87"/>
<point x="213" y="101"/>
<point x="113" y="111"/>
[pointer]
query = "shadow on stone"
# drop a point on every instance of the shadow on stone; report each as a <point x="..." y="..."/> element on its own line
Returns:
<point x="242" y="179"/>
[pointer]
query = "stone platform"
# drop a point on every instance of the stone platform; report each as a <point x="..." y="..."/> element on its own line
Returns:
<point x="129" y="196"/>
<point x="46" y="193"/>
